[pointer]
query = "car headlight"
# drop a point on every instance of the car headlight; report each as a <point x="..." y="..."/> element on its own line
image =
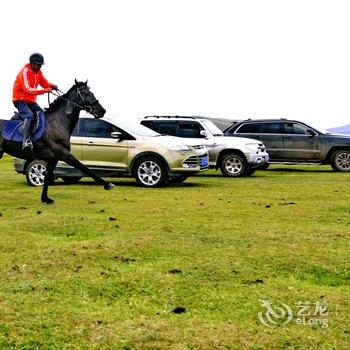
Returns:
<point x="252" y="147"/>
<point x="180" y="148"/>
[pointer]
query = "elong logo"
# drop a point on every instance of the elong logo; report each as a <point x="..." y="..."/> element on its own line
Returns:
<point x="308" y="314"/>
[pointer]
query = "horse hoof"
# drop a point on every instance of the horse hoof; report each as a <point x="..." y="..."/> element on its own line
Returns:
<point x="48" y="201"/>
<point x="109" y="186"/>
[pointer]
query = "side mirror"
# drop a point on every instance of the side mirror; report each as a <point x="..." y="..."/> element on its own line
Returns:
<point x="204" y="133"/>
<point x="311" y="132"/>
<point x="117" y="135"/>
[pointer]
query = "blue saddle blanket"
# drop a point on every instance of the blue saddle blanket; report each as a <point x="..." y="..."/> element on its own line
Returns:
<point x="13" y="129"/>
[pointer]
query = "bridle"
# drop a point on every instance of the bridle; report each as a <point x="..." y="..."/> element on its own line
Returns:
<point x="87" y="108"/>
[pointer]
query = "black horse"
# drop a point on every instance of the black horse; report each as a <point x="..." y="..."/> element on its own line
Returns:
<point x="61" y="118"/>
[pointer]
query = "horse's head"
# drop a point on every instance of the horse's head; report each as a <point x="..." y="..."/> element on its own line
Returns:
<point x="87" y="100"/>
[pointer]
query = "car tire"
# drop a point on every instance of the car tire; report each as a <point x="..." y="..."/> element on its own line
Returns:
<point x="233" y="165"/>
<point x="71" y="179"/>
<point x="150" y="171"/>
<point x="178" y="179"/>
<point x="35" y="173"/>
<point x="340" y="160"/>
<point x="263" y="166"/>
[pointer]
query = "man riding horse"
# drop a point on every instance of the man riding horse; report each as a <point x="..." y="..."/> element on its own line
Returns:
<point x="52" y="142"/>
<point x="25" y="91"/>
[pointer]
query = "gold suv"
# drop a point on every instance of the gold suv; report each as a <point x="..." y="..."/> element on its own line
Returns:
<point x="112" y="148"/>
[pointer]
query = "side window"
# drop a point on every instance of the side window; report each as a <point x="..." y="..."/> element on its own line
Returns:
<point x="160" y="126"/>
<point x="249" y="128"/>
<point x="270" y="128"/>
<point x="150" y="124"/>
<point x="98" y="128"/>
<point x="189" y="129"/>
<point x="295" y="128"/>
<point x="166" y="128"/>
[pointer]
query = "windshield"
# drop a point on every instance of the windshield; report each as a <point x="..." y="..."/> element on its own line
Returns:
<point x="132" y="127"/>
<point x="212" y="128"/>
<point x="321" y="130"/>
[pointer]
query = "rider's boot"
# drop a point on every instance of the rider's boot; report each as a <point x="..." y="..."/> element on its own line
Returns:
<point x="27" y="133"/>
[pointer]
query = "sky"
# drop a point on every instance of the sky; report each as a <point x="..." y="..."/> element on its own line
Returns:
<point x="219" y="58"/>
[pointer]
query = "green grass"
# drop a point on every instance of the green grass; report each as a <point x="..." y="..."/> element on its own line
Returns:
<point x="71" y="278"/>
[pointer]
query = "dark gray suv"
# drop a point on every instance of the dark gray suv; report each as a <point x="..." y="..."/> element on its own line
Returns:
<point x="295" y="142"/>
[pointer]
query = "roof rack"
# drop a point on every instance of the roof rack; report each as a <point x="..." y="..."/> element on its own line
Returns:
<point x="265" y="119"/>
<point x="172" y="116"/>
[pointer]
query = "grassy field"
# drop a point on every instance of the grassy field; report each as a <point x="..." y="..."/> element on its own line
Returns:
<point x="181" y="267"/>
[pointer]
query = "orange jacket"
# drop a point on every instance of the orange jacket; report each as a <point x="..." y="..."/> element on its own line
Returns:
<point x="26" y="83"/>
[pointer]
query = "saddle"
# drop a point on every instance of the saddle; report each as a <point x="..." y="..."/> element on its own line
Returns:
<point x="13" y="128"/>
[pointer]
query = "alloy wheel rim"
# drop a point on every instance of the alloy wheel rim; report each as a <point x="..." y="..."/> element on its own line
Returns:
<point x="149" y="173"/>
<point x="343" y="160"/>
<point x="233" y="165"/>
<point x="37" y="174"/>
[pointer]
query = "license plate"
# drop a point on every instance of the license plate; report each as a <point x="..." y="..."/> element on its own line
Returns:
<point x="204" y="162"/>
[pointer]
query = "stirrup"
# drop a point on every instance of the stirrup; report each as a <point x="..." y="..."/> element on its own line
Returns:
<point x="27" y="144"/>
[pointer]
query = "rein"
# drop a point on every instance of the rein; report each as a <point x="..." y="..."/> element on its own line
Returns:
<point x="85" y="107"/>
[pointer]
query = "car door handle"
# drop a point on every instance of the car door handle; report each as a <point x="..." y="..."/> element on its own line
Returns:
<point x="289" y="137"/>
<point x="90" y="143"/>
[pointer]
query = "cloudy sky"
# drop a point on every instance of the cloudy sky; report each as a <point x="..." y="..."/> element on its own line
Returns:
<point x="218" y="58"/>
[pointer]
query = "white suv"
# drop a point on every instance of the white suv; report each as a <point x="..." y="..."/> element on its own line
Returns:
<point x="235" y="156"/>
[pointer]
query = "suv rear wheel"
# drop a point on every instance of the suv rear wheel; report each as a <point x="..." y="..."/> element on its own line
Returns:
<point x="150" y="172"/>
<point x="35" y="173"/>
<point x="340" y="160"/>
<point x="233" y="165"/>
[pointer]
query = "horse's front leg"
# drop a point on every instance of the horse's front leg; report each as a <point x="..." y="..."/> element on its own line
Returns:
<point x="68" y="157"/>
<point x="49" y="178"/>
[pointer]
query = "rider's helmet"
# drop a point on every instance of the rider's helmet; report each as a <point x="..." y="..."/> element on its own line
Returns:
<point x="36" y="58"/>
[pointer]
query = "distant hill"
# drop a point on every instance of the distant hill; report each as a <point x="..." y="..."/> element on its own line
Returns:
<point x="341" y="129"/>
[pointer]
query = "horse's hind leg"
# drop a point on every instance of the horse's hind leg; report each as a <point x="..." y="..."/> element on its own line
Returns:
<point x="71" y="160"/>
<point x="49" y="176"/>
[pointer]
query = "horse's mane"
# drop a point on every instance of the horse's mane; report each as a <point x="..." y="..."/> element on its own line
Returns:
<point x="53" y="107"/>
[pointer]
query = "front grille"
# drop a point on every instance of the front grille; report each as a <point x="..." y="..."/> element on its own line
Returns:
<point x="191" y="162"/>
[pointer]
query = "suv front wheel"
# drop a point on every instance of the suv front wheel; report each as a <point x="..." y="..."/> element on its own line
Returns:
<point x="340" y="160"/>
<point x="150" y="172"/>
<point x="233" y="165"/>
